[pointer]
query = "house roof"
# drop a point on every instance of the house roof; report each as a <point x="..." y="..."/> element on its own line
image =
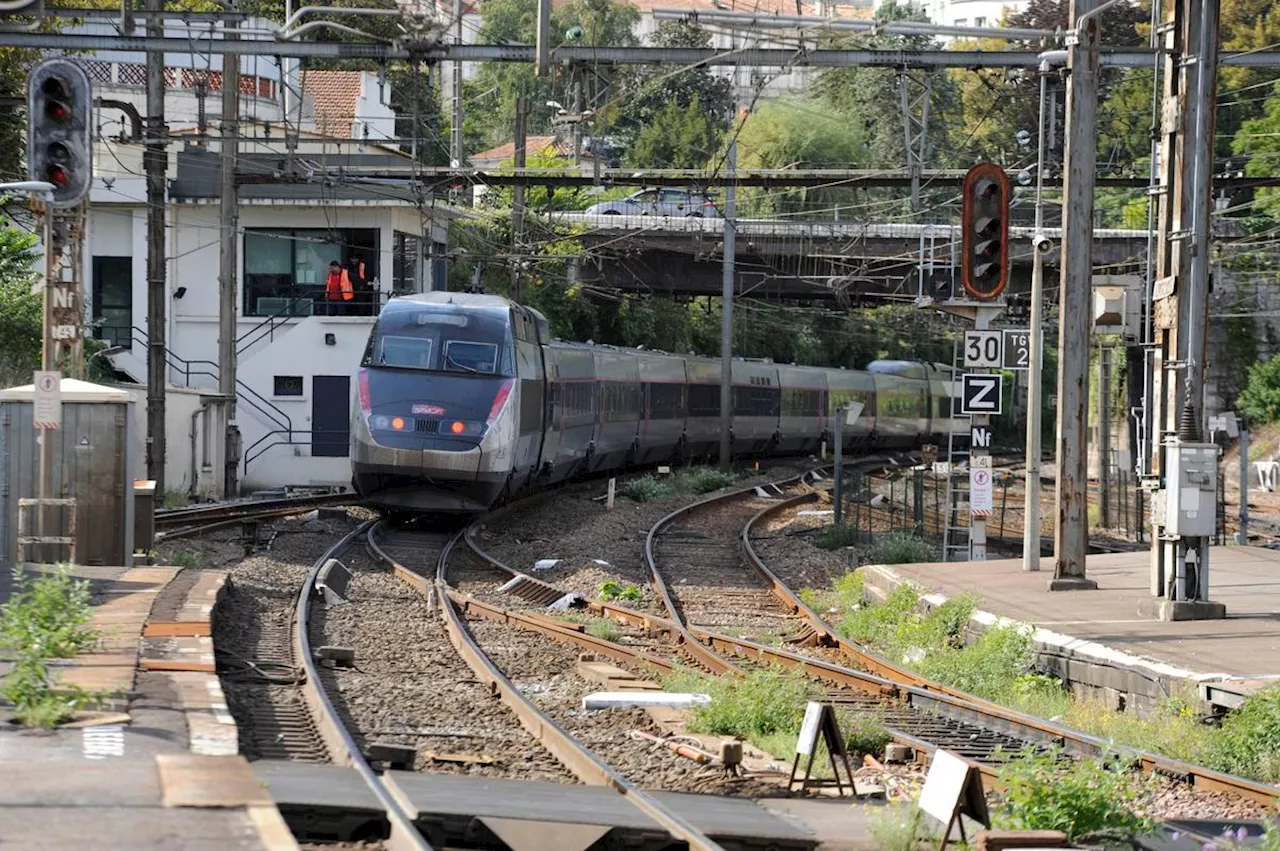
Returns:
<point x="335" y="94"/>
<point x="533" y="145"/>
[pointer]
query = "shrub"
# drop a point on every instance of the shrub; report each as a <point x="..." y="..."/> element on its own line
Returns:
<point x="1260" y="400"/>
<point x="1248" y="743"/>
<point x="1078" y="797"/>
<point x="182" y="558"/>
<point x="612" y="590"/>
<point x="877" y="626"/>
<point x="898" y="827"/>
<point x="864" y="733"/>
<point x="836" y="536"/>
<point x="705" y="480"/>
<point x="645" y="488"/>
<point x="46" y="618"/>
<point x="901" y="548"/>
<point x="989" y="668"/>
<point x="760" y="704"/>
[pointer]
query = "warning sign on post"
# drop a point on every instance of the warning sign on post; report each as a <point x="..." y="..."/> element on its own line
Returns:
<point x="48" y="399"/>
<point x="980" y="491"/>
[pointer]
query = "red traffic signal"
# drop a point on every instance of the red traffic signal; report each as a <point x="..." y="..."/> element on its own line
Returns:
<point x="59" y="129"/>
<point x="985" y="240"/>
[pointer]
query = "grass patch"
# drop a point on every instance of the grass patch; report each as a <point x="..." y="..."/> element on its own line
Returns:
<point x="1078" y="797"/>
<point x="47" y="617"/>
<point x="646" y="488"/>
<point x="901" y="548"/>
<point x="183" y="558"/>
<point x="695" y="480"/>
<point x="760" y="705"/>
<point x="900" y="826"/>
<point x="603" y="628"/>
<point x="176" y="499"/>
<point x="837" y="536"/>
<point x="704" y="480"/>
<point x="1248" y="742"/>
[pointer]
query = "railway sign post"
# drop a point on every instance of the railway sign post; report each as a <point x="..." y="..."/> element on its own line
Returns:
<point x="980" y="399"/>
<point x="983" y="349"/>
<point x="980" y="394"/>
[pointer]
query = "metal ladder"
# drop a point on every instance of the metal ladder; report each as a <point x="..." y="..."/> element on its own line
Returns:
<point x="955" y="538"/>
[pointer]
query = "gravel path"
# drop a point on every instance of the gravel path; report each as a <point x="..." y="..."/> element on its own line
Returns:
<point x="545" y="672"/>
<point x="577" y="529"/>
<point x="411" y="688"/>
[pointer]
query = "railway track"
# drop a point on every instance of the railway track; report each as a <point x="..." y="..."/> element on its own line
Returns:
<point x="411" y="558"/>
<point x="199" y="519"/>
<point x="919" y="713"/>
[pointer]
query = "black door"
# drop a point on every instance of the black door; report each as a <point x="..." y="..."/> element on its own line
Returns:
<point x="330" y="416"/>
<point x="113" y="300"/>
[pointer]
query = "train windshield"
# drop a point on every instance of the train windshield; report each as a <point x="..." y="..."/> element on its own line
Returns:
<point x="443" y="338"/>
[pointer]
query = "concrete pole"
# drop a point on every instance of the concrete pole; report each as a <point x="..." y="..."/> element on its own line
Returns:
<point x="227" y="260"/>
<point x="1244" y="482"/>
<point x="1072" y="535"/>
<point x="155" y="163"/>
<point x="837" y="487"/>
<point x="542" y="36"/>
<point x="726" y="311"/>
<point x="455" y="137"/>
<point x="1104" y="431"/>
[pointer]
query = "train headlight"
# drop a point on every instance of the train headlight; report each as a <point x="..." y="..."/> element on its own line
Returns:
<point x="381" y="422"/>
<point x="458" y="427"/>
<point x="397" y="423"/>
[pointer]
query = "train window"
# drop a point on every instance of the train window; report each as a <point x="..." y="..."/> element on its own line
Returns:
<point x="404" y="351"/>
<point x="666" y="401"/>
<point x="704" y="400"/>
<point x="471" y="357"/>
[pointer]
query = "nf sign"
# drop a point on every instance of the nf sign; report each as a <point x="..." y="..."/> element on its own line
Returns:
<point x="980" y="437"/>
<point x="980" y="394"/>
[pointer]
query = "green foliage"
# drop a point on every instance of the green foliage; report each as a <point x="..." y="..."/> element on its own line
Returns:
<point x="610" y="590"/>
<point x="46" y="618"/>
<point x="864" y="733"/>
<point x="761" y="704"/>
<point x="20" y="307"/>
<point x="836" y="537"/>
<point x="899" y="826"/>
<point x="678" y="136"/>
<point x="603" y="628"/>
<point x="646" y="488"/>
<point x="1248" y="743"/>
<point x="1077" y="797"/>
<point x="48" y="611"/>
<point x="704" y="479"/>
<point x="900" y="548"/>
<point x="989" y="667"/>
<point x="1260" y="400"/>
<point x="183" y="558"/>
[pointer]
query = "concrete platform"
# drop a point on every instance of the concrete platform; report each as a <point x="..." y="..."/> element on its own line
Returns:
<point x="1099" y="641"/>
<point x="143" y="774"/>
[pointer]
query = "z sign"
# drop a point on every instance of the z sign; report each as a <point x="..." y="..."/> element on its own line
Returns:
<point x="980" y="394"/>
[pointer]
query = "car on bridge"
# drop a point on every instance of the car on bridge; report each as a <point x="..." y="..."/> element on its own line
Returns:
<point x="658" y="202"/>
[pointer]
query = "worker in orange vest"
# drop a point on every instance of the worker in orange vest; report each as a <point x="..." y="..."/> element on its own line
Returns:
<point x="337" y="289"/>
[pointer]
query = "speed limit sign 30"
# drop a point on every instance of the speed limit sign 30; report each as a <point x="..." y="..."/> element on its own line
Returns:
<point x="983" y="349"/>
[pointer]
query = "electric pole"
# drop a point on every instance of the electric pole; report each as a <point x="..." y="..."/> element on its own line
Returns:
<point x="1074" y="308"/>
<point x="517" y="198"/>
<point x="155" y="164"/>
<point x="726" y="311"/>
<point x="455" y="137"/>
<point x="229" y="221"/>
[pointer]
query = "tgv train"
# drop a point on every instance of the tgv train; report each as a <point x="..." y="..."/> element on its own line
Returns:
<point x="466" y="401"/>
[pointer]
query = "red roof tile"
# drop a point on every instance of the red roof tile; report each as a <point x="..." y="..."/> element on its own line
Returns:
<point x="335" y="94"/>
<point x="533" y="145"/>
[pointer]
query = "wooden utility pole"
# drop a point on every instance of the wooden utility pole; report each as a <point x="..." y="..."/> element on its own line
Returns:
<point x="155" y="164"/>
<point x="227" y="260"/>
<point x="1074" y="308"/>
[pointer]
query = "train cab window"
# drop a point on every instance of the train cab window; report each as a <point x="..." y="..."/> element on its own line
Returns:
<point x="471" y="357"/>
<point x="412" y="352"/>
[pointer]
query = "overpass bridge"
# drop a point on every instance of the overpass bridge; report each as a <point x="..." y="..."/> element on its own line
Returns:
<point x="850" y="262"/>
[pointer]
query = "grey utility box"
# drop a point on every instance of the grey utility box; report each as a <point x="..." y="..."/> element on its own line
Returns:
<point x="1191" y="489"/>
<point x="92" y="464"/>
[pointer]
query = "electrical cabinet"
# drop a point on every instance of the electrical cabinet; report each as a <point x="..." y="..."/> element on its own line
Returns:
<point x="1191" y="490"/>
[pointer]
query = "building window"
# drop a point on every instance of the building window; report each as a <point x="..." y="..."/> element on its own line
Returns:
<point x="113" y="300"/>
<point x="407" y="276"/>
<point x="287" y="385"/>
<point x="979" y="22"/>
<point x="439" y="266"/>
<point x="285" y="271"/>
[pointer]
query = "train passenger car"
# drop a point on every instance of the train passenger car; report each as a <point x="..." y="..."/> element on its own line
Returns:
<point x="849" y="388"/>
<point x="756" y="401"/>
<point x="802" y="415"/>
<point x="902" y="402"/>
<point x="944" y="392"/>
<point x="465" y="402"/>
<point x="665" y="398"/>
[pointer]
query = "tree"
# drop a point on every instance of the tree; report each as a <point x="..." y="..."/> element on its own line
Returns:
<point x="797" y="134"/>
<point x="491" y="97"/>
<point x="417" y="107"/>
<point x="21" y="325"/>
<point x="871" y="100"/>
<point x="1260" y="400"/>
<point x="692" y="104"/>
<point x="1258" y="144"/>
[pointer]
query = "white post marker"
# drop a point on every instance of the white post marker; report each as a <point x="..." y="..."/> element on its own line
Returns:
<point x="48" y="399"/>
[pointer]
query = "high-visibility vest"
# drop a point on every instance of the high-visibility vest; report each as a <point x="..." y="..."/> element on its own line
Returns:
<point x="338" y="283"/>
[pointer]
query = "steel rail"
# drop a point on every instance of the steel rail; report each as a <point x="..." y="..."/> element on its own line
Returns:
<point x="248" y="509"/>
<point x="342" y="746"/>
<point x="577" y="758"/>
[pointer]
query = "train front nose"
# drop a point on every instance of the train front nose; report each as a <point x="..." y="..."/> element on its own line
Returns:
<point x="432" y="446"/>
